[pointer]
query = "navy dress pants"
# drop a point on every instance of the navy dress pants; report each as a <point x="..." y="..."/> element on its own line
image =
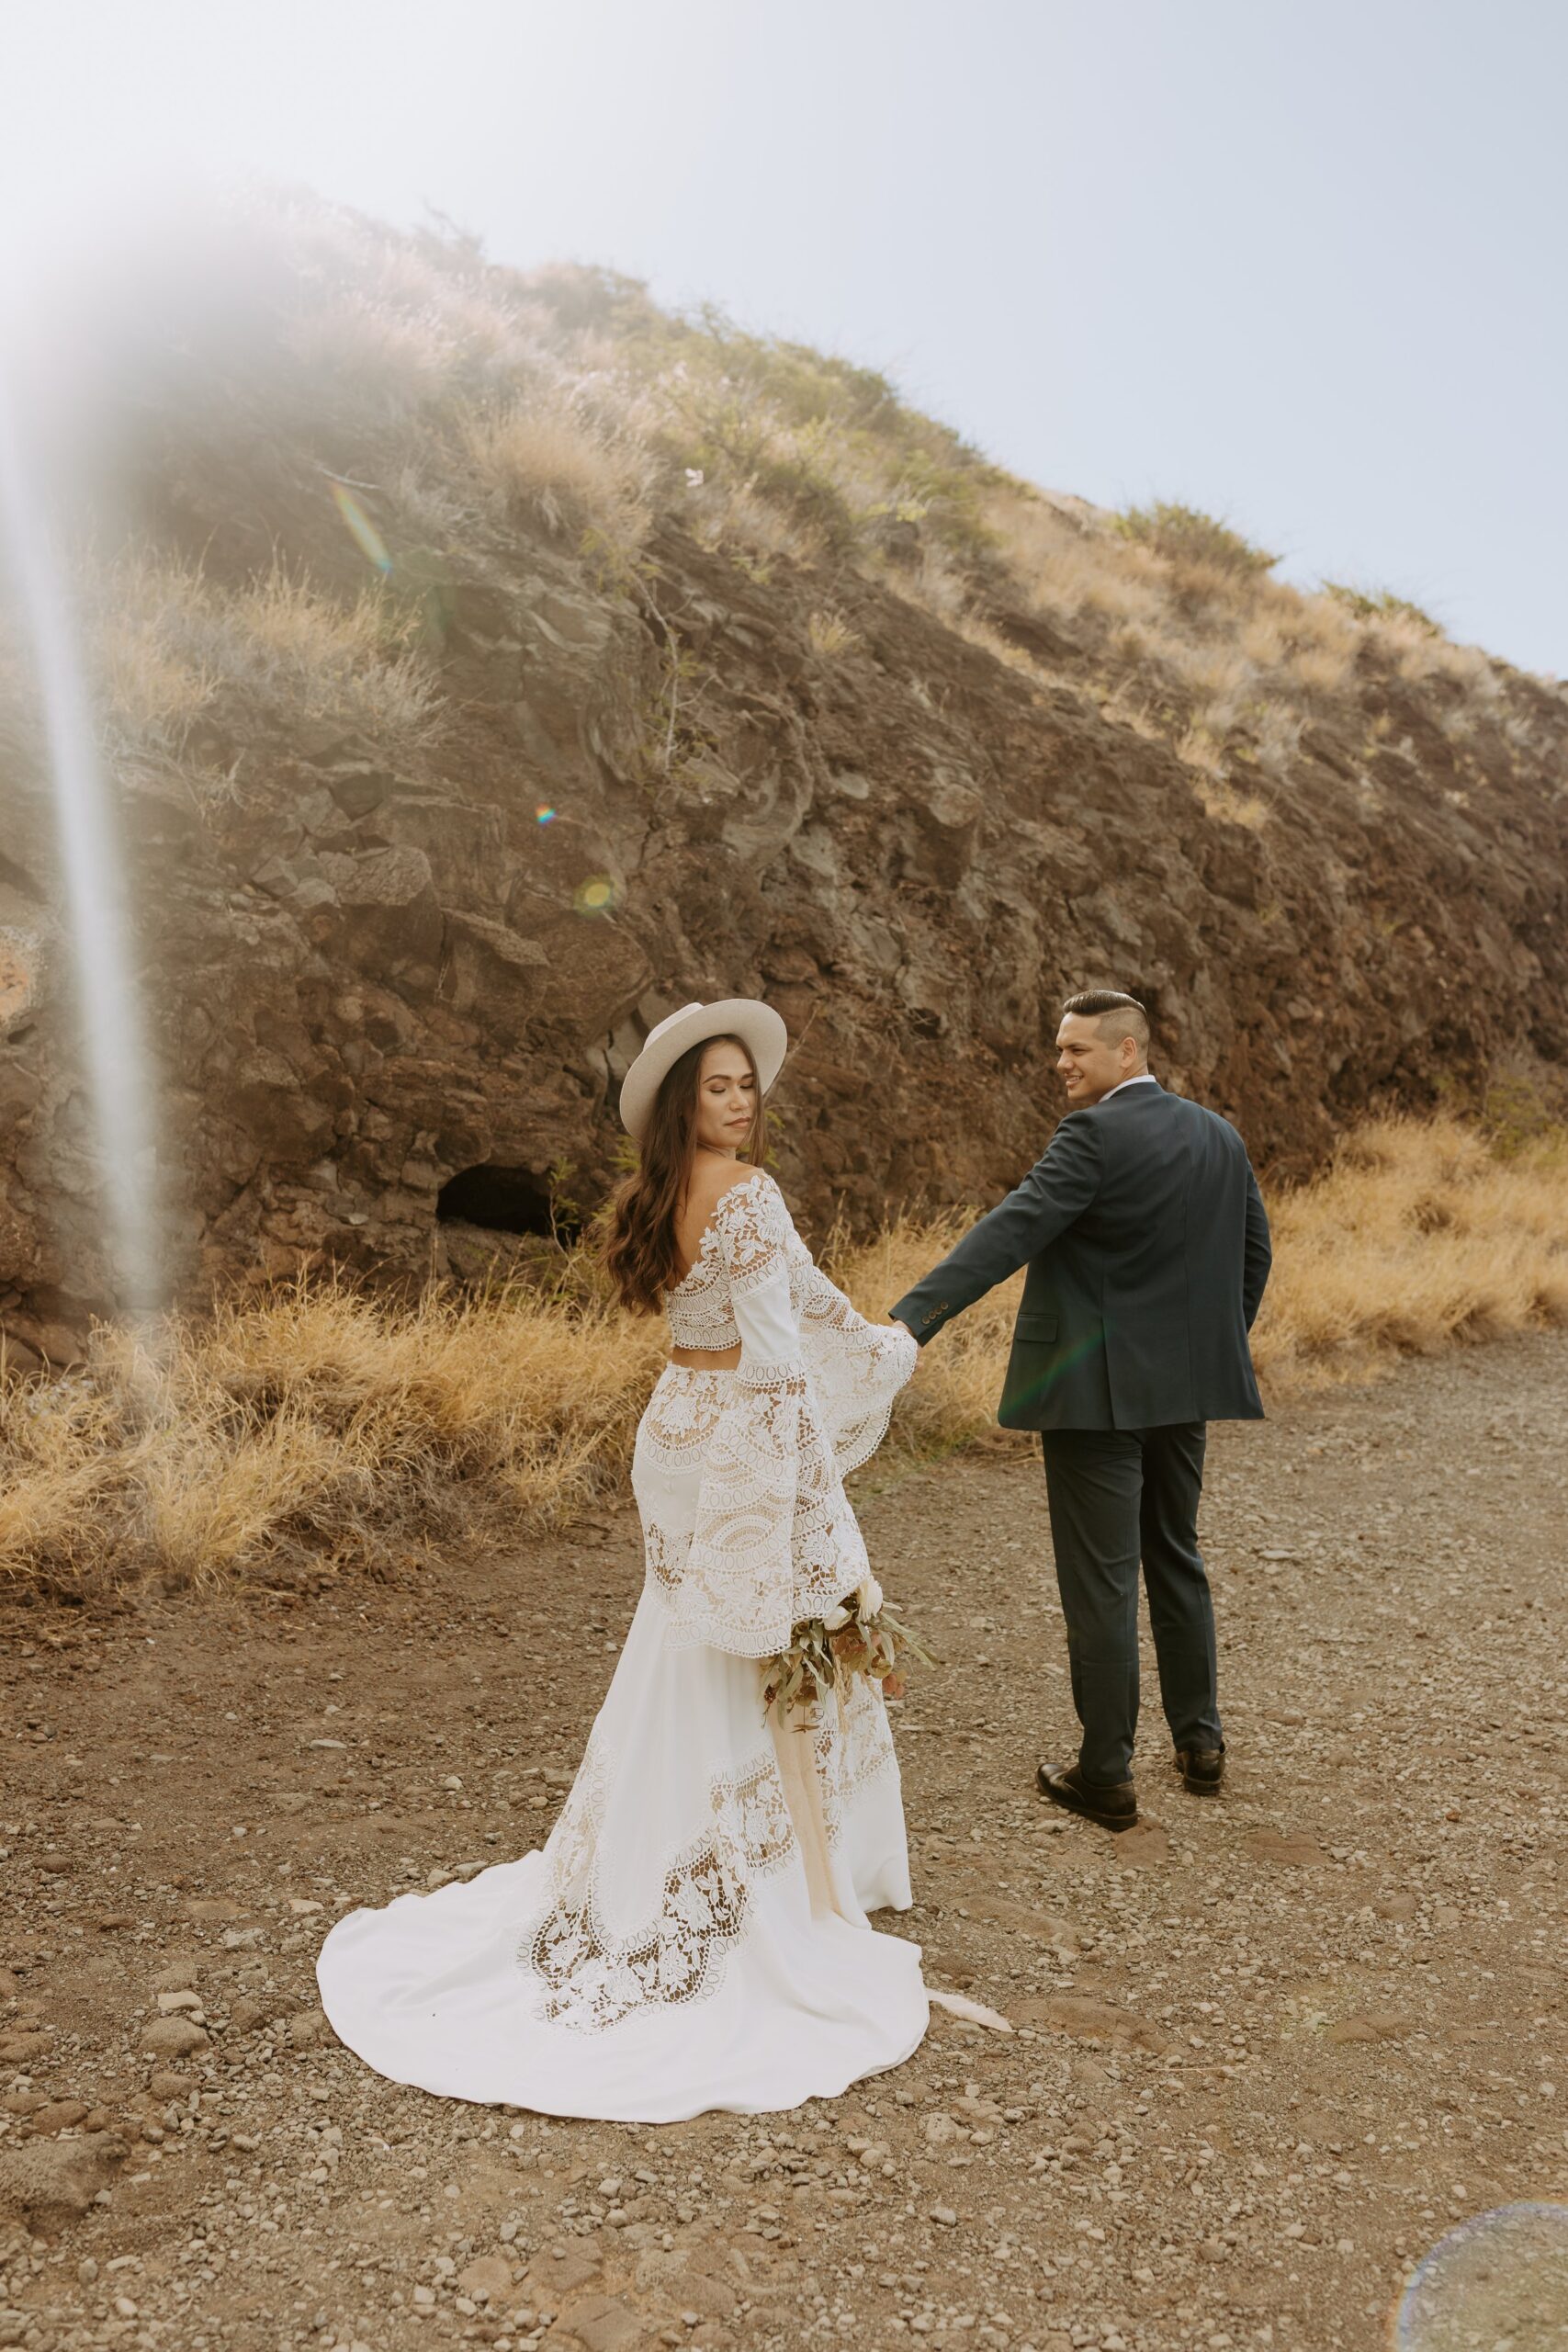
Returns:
<point x="1118" y="1497"/>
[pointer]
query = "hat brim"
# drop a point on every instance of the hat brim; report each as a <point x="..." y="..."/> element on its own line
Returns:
<point x="757" y="1025"/>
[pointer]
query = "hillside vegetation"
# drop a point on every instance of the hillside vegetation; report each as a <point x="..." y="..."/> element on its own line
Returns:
<point x="489" y="662"/>
<point x="568" y="398"/>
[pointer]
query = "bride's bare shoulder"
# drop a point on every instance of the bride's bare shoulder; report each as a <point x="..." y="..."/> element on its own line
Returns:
<point x="714" y="1181"/>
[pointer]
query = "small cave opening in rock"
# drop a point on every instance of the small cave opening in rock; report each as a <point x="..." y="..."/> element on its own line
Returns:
<point x="504" y="1200"/>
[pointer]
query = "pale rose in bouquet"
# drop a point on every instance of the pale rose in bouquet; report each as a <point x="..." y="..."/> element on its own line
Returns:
<point x="860" y="1636"/>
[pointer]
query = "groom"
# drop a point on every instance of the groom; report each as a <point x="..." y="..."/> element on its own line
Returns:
<point x="1147" y="1249"/>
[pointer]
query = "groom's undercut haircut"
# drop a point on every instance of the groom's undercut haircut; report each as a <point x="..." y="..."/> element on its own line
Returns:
<point x="1119" y="1016"/>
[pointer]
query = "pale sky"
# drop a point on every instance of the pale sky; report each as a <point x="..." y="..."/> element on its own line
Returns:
<point x="1302" y="266"/>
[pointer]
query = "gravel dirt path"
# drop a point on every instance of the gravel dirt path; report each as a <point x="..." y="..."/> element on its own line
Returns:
<point x="1268" y="2049"/>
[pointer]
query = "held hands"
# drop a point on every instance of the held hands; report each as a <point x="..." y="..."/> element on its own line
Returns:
<point x="895" y="1324"/>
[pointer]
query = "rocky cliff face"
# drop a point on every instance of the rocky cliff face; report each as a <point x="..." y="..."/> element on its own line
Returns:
<point x="394" y="977"/>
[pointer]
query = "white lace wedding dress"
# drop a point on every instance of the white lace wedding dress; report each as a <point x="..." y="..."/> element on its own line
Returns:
<point x="694" y="1933"/>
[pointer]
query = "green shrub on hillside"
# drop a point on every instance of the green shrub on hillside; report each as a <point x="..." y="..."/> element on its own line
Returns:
<point x="1379" y="604"/>
<point x="804" y="387"/>
<point x="1187" y="535"/>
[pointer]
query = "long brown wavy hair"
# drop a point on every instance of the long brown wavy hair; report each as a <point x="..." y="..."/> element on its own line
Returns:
<point x="641" y="1253"/>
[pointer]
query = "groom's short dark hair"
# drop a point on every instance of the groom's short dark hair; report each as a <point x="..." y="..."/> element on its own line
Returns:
<point x="1108" y="1005"/>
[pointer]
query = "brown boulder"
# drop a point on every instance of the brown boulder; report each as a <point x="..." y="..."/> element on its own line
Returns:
<point x="487" y="2278"/>
<point x="1289" y="1846"/>
<point x="172" y="2037"/>
<point x="1376" y="2026"/>
<point x="60" y="2115"/>
<point x="48" y="2183"/>
<point x="603" y="2324"/>
<point x="1086" y="2020"/>
<point x="22" y="2043"/>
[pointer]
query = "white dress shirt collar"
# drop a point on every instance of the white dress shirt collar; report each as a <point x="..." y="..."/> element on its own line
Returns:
<point x="1144" y="1078"/>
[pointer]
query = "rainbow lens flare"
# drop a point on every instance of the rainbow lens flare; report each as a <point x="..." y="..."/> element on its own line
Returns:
<point x="544" y="815"/>
<point x="1500" y="2279"/>
<point x="367" y="537"/>
<point x="596" y="896"/>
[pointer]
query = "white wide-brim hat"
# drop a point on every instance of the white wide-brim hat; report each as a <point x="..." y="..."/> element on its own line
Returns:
<point x="735" y="1016"/>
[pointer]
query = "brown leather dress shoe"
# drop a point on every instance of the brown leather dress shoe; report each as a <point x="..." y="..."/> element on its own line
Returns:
<point x="1202" y="1769"/>
<point x="1114" y="1806"/>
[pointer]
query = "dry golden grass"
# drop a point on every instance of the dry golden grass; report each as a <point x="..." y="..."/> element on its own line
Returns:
<point x="1323" y="669"/>
<point x="315" y="1424"/>
<point x="1262" y="640"/>
<point x="170" y="640"/>
<point x="1199" y="751"/>
<point x="1277" y="732"/>
<point x="935" y="585"/>
<point x="317" y="1428"/>
<point x="543" y="455"/>
<point x="390" y="359"/>
<point x="1243" y="651"/>
<point x="831" y="635"/>
<point x="976" y="631"/>
<point x="1202" y="751"/>
<point x="154" y="691"/>
<point x="1067" y="565"/>
<point x="1418" y="1237"/>
<point x="1223" y="680"/>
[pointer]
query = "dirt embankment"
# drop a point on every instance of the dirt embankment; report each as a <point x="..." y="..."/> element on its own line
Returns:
<point x="1268" y="2049"/>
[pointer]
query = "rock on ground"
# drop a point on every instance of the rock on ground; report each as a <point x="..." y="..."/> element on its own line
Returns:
<point x="50" y="2182"/>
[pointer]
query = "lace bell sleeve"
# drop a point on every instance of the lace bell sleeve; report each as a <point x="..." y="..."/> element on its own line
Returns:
<point x="857" y="1368"/>
<point x="774" y="1539"/>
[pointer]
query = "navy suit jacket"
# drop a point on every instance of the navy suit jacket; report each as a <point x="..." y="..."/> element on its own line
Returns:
<point x="1148" y="1247"/>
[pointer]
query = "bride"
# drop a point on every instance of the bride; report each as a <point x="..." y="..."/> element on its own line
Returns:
<point x="694" y="1933"/>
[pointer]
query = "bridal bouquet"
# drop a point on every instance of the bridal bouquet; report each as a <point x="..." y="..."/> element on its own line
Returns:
<point x="860" y="1637"/>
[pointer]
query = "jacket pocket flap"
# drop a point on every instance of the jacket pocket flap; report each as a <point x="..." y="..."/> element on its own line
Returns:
<point x="1036" y="1324"/>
